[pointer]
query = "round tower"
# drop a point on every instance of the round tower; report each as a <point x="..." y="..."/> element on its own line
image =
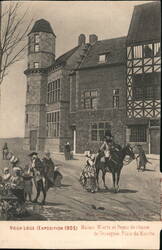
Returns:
<point x="41" y="45"/>
<point x="41" y="55"/>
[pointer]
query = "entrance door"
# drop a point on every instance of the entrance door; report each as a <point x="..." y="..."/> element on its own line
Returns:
<point x="155" y="140"/>
<point x="33" y="140"/>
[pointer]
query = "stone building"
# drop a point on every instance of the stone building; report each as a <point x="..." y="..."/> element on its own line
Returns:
<point x="89" y="91"/>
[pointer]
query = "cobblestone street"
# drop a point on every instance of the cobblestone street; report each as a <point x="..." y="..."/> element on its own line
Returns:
<point x="138" y="198"/>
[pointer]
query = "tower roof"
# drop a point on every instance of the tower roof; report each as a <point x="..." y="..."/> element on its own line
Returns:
<point x="145" y="23"/>
<point x="42" y="25"/>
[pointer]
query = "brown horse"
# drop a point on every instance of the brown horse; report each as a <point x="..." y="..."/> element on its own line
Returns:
<point x="113" y="165"/>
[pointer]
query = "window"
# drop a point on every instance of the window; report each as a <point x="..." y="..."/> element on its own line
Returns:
<point x="157" y="49"/>
<point x="36" y="47"/>
<point x="147" y="92"/>
<point x="148" y="52"/>
<point x="138" y="133"/>
<point x="36" y="65"/>
<point x="138" y="93"/>
<point x="36" y="38"/>
<point x="53" y="91"/>
<point x="29" y="44"/>
<point x="115" y="98"/>
<point x="103" y="58"/>
<point x="53" y="124"/>
<point x="28" y="88"/>
<point x="90" y="99"/>
<point x="98" y="130"/>
<point x="137" y="51"/>
<point x="26" y="118"/>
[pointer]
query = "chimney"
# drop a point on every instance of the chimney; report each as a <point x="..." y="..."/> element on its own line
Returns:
<point x="81" y="40"/>
<point x="92" y="39"/>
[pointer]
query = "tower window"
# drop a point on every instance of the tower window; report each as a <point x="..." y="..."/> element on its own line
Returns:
<point x="36" y="47"/>
<point x="36" y="38"/>
<point x="115" y="98"/>
<point x="26" y="118"/>
<point x="28" y="87"/>
<point x="36" y="65"/>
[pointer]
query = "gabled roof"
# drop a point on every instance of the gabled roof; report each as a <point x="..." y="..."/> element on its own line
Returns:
<point x="145" y="24"/>
<point x="114" y="48"/>
<point x="42" y="25"/>
<point x="63" y="58"/>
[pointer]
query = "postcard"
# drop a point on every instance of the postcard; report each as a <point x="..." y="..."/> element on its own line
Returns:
<point x="80" y="124"/>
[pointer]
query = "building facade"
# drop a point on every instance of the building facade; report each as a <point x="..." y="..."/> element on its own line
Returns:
<point x="143" y="77"/>
<point x="97" y="87"/>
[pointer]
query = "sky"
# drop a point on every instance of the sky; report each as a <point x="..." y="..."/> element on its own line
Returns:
<point x="106" y="19"/>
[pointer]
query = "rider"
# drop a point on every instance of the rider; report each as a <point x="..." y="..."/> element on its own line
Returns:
<point x="108" y="147"/>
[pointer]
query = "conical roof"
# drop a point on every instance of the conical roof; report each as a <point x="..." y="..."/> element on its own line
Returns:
<point x="42" y="25"/>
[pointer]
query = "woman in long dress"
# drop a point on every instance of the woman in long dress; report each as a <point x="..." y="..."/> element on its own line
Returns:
<point x="88" y="174"/>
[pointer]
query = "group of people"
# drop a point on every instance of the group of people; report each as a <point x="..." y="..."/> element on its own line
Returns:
<point x="109" y="147"/>
<point x="41" y="172"/>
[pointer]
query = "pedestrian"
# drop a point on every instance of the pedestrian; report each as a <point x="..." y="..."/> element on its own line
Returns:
<point x="14" y="160"/>
<point x="48" y="166"/>
<point x="57" y="177"/>
<point x="17" y="185"/>
<point x="67" y="151"/>
<point x="5" y="151"/>
<point x="88" y="174"/>
<point x="141" y="158"/>
<point x="28" y="184"/>
<point x="6" y="176"/>
<point x="38" y="171"/>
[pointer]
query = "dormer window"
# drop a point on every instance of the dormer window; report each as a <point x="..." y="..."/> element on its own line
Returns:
<point x="103" y="58"/>
<point x="36" y="65"/>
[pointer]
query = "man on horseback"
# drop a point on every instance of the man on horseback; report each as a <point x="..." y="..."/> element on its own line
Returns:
<point x="108" y="148"/>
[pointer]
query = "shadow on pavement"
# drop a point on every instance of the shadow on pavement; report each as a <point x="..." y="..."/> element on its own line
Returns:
<point x="53" y="204"/>
<point x="120" y="191"/>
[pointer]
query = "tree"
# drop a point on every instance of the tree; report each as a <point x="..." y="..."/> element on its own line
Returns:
<point x="13" y="34"/>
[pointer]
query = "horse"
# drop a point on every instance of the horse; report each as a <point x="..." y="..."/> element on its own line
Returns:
<point x="114" y="165"/>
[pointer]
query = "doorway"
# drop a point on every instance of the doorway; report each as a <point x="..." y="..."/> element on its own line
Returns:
<point x="33" y="140"/>
<point x="155" y="140"/>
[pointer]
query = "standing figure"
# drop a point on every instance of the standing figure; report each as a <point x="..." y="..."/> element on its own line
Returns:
<point x="48" y="166"/>
<point x="88" y="174"/>
<point x="28" y="184"/>
<point x="14" y="160"/>
<point x="6" y="176"/>
<point x="107" y="148"/>
<point x="5" y="151"/>
<point x="67" y="151"/>
<point x="142" y="161"/>
<point x="37" y="168"/>
<point x="17" y="185"/>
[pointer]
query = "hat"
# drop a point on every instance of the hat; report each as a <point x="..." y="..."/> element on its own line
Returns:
<point x="33" y="153"/>
<point x="16" y="169"/>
